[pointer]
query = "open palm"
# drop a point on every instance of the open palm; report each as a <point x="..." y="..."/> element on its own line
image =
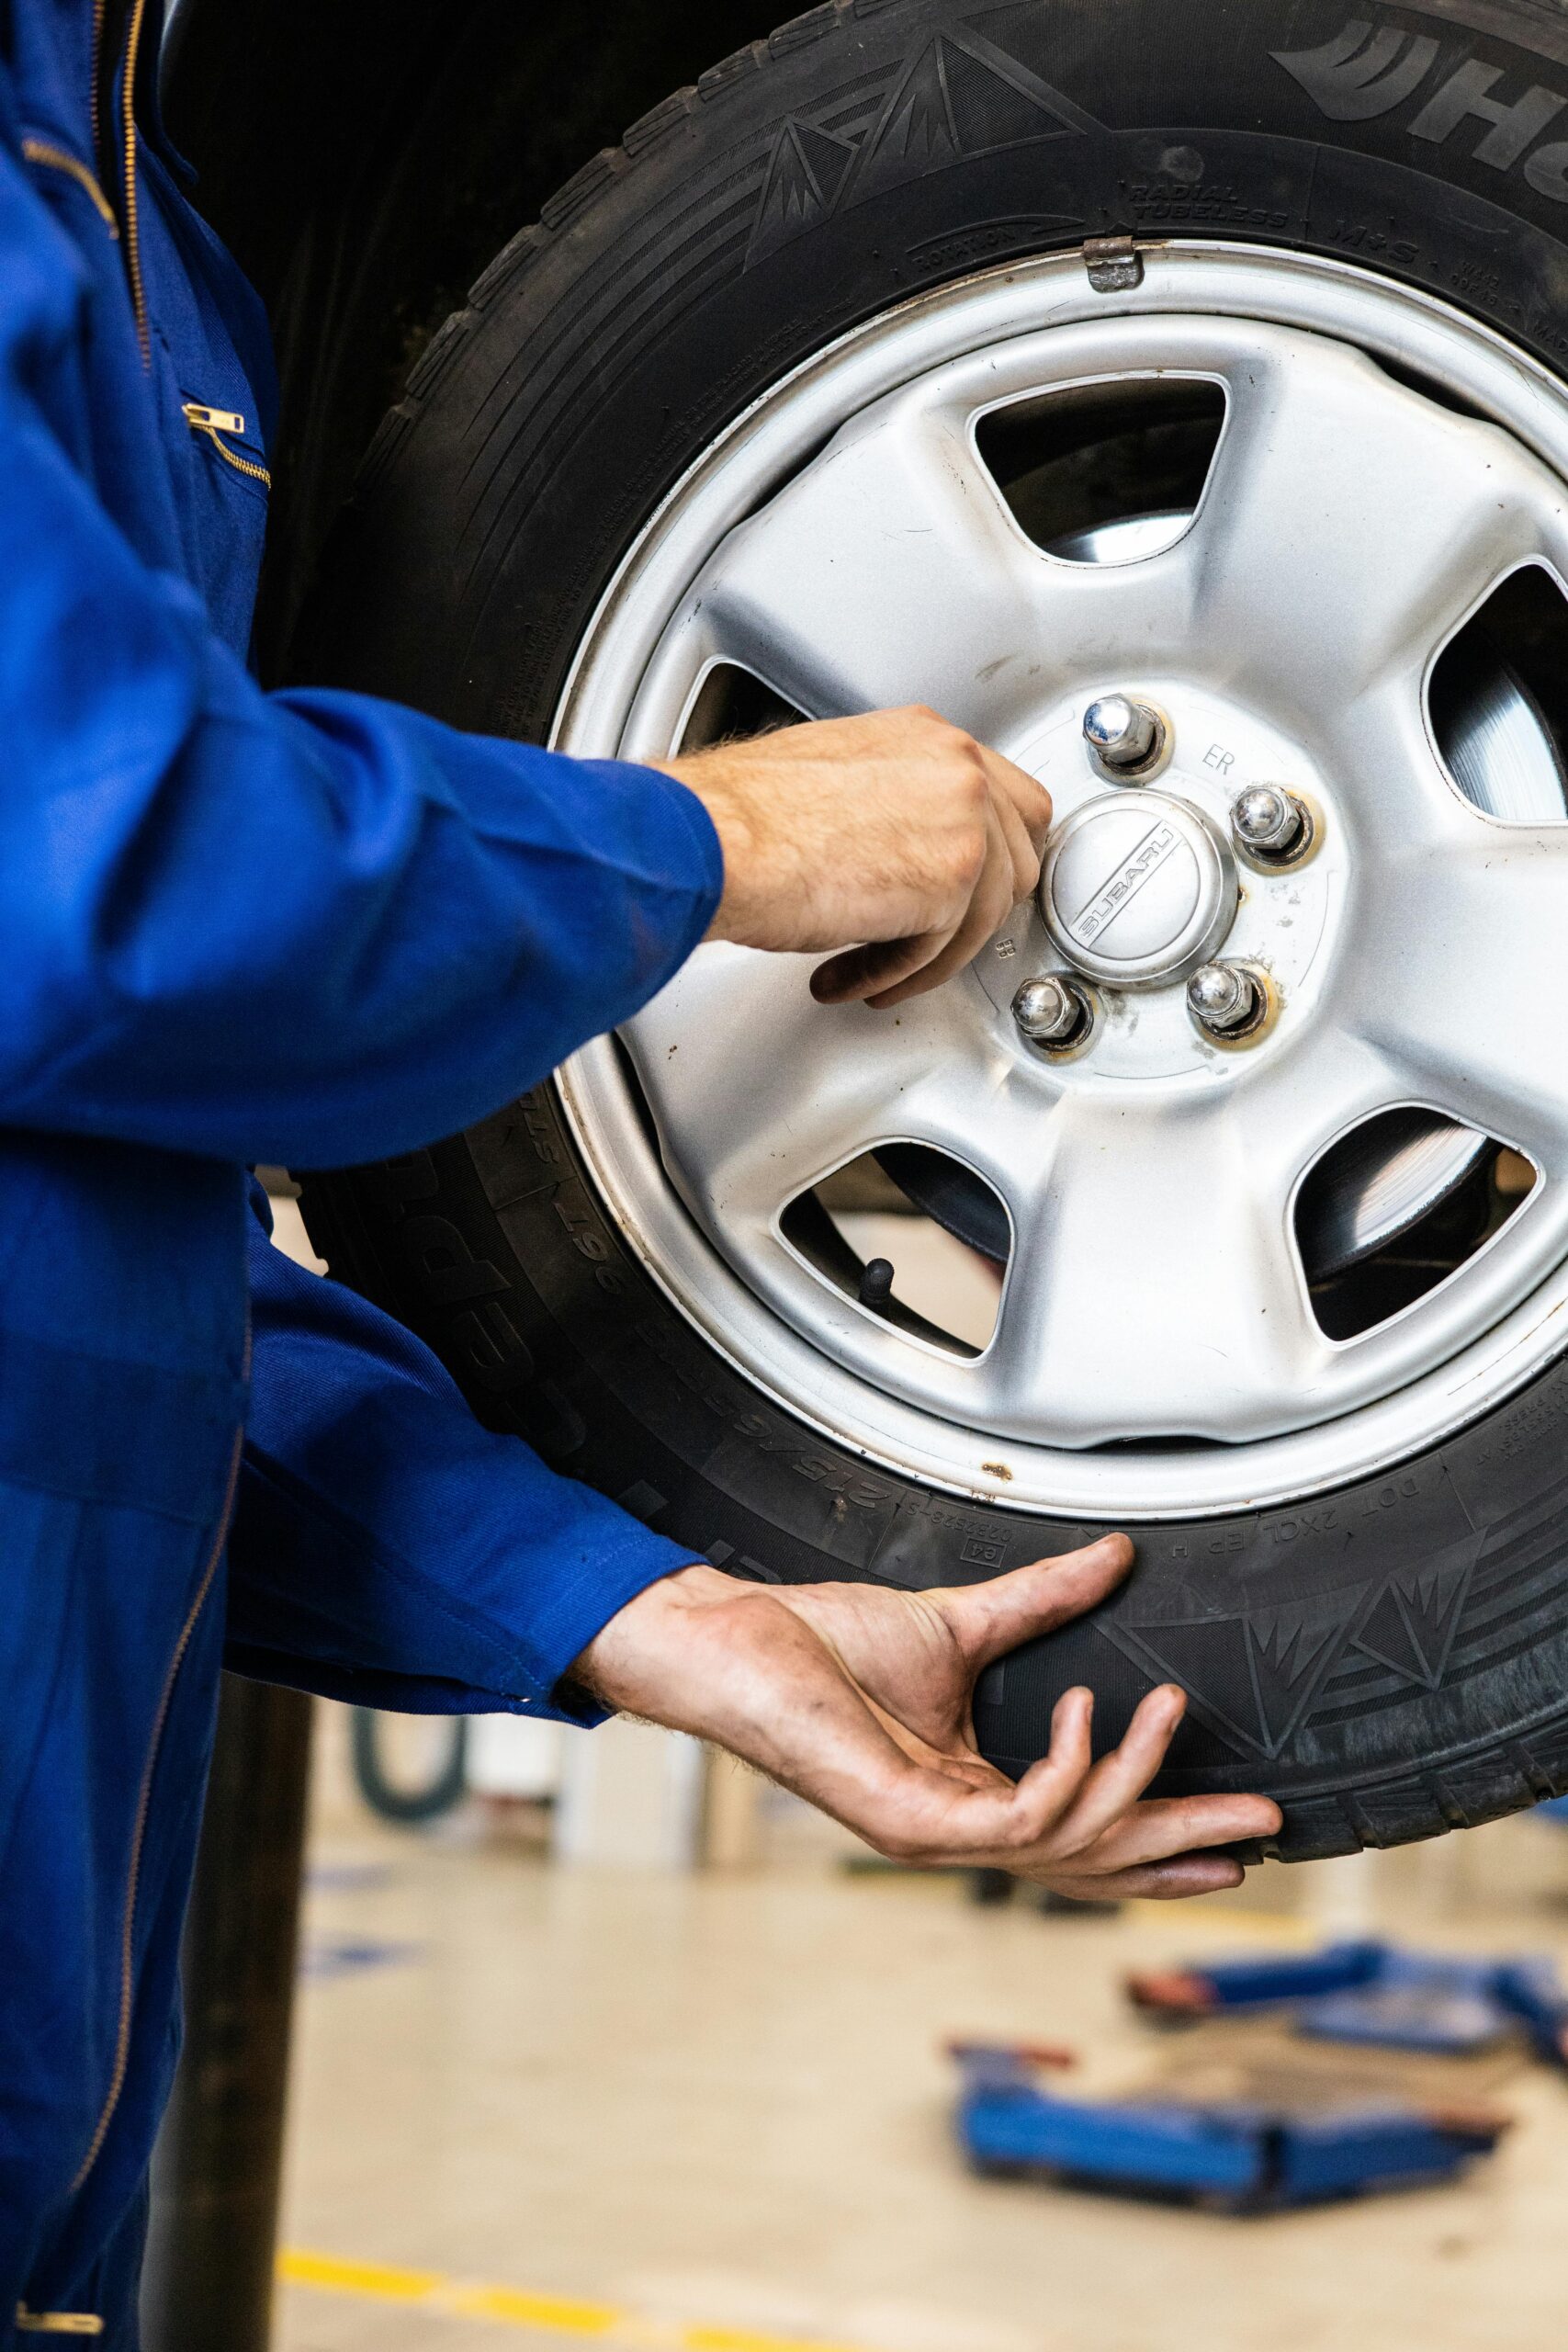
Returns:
<point x="861" y="1700"/>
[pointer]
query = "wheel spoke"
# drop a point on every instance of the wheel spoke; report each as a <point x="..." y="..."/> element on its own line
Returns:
<point x="890" y="572"/>
<point x="757" y="1090"/>
<point x="1154" y="1289"/>
<point x="1462" y="982"/>
<point x="1349" y="523"/>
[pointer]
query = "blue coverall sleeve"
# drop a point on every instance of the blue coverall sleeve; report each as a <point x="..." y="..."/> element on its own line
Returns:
<point x="308" y="927"/>
<point x="386" y="1548"/>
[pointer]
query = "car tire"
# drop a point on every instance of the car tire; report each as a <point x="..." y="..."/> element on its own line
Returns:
<point x="1390" y="1658"/>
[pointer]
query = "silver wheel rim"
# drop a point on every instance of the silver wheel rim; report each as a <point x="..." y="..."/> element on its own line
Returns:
<point x="1153" y="1290"/>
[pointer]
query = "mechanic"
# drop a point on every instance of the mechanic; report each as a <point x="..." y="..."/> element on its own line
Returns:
<point x="314" y="928"/>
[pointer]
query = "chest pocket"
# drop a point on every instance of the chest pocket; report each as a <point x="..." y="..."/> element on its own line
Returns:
<point x="225" y="428"/>
<point x="228" y="484"/>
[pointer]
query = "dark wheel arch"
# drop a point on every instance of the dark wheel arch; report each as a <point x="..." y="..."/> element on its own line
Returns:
<point x="364" y="161"/>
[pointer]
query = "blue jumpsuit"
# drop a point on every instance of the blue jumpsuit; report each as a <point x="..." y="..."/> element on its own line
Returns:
<point x="234" y="927"/>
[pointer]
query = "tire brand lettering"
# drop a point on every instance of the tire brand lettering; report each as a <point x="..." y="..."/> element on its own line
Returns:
<point x="1366" y="71"/>
<point x="1362" y="72"/>
<point x="1511" y="129"/>
<point x="493" y="1349"/>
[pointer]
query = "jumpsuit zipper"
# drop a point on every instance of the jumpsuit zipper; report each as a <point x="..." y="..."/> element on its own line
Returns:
<point x="98" y="8"/>
<point x="143" y="1804"/>
<point x="132" y="225"/>
<point x="214" y="423"/>
<point x="210" y="422"/>
<point x="44" y="150"/>
<point x="127" y="222"/>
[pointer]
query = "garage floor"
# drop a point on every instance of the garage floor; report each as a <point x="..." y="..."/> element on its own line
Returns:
<point x="545" y="2106"/>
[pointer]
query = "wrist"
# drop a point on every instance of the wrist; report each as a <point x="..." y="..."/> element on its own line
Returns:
<point x="706" y="777"/>
<point x="613" y="1668"/>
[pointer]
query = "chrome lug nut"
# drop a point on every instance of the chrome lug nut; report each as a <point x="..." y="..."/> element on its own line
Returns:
<point x="1270" y="824"/>
<point x="1053" y="1010"/>
<point x="1226" y="999"/>
<point x="1125" y="739"/>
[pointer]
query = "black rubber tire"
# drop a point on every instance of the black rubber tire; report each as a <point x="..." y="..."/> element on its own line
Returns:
<point x="447" y="1786"/>
<point x="1391" y="1661"/>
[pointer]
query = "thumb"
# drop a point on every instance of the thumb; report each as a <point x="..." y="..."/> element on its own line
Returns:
<point x="990" y="1619"/>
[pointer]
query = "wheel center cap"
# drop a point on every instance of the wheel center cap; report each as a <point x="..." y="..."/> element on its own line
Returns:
<point x="1137" y="888"/>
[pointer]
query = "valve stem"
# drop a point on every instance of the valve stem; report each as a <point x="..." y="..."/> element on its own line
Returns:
<point x="876" y="1285"/>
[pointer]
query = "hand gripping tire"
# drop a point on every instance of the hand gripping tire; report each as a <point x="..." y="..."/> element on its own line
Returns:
<point x="1388" y="1654"/>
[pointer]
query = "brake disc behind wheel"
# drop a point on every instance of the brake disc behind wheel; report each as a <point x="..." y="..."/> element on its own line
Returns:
<point x="1172" y="393"/>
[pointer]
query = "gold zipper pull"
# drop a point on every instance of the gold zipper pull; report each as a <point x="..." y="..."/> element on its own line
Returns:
<point x="202" y="419"/>
<point x="44" y="150"/>
<point x="58" y="2323"/>
<point x="215" y="423"/>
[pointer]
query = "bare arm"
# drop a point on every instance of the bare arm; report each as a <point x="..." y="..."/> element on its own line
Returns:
<point x="895" y="838"/>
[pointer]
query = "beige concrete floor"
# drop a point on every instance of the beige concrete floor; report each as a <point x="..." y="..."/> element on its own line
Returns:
<point x="711" y="2113"/>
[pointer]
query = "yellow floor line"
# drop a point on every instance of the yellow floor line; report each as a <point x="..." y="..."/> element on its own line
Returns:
<point x="557" y="2315"/>
<point x="1221" y="1925"/>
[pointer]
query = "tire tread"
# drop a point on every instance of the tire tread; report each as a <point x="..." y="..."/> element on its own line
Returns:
<point x="578" y="195"/>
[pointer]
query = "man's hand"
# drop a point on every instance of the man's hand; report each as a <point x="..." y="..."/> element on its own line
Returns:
<point x="860" y="1699"/>
<point x="895" y="837"/>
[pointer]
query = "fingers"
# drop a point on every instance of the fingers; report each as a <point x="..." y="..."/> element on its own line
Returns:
<point x="995" y="896"/>
<point x="1029" y="802"/>
<point x="866" y="974"/>
<point x="1017" y="819"/>
<point x="1156" y="1881"/>
<point x="992" y="1617"/>
<point x="1163" y="1828"/>
<point x="1070" y="1824"/>
<point x="1119" y="1780"/>
<point x="742" y="1667"/>
<point x="946" y="1815"/>
<point x="1049" y="1789"/>
<point x="1104" y="1832"/>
